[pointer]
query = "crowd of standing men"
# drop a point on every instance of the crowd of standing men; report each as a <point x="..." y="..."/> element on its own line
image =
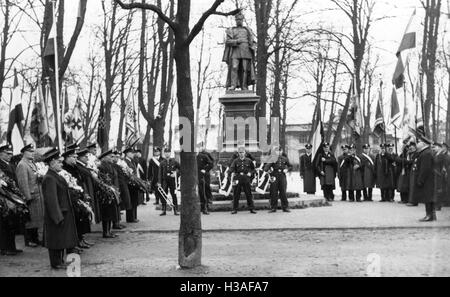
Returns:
<point x="53" y="199"/>
<point x="420" y="173"/>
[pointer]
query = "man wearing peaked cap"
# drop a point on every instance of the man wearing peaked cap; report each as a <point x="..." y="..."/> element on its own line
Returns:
<point x="28" y="148"/>
<point x="81" y="219"/>
<point x="168" y="177"/>
<point x="153" y="173"/>
<point x="105" y="154"/>
<point x="384" y="173"/>
<point x="27" y="180"/>
<point x="368" y="169"/>
<point x="327" y="168"/>
<point x="6" y="153"/>
<point x="307" y="171"/>
<point x="342" y="172"/>
<point x="59" y="221"/>
<point x="205" y="163"/>
<point x="110" y="212"/>
<point x="131" y="211"/>
<point x="423" y="189"/>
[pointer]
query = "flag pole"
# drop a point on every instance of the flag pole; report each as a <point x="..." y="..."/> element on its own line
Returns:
<point x="382" y="112"/>
<point x="58" y="111"/>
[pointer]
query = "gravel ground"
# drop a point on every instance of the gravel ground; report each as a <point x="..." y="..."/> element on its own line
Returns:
<point x="402" y="252"/>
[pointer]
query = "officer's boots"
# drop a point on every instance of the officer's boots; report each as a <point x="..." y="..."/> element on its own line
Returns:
<point x="175" y="210"/>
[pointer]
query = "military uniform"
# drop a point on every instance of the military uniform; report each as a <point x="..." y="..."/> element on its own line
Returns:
<point x="279" y="186"/>
<point x="243" y="170"/>
<point x="423" y="187"/>
<point x="328" y="170"/>
<point x="343" y="175"/>
<point x="204" y="162"/>
<point x="385" y="175"/>
<point x="110" y="211"/>
<point x="133" y="190"/>
<point x="308" y="174"/>
<point x="82" y="222"/>
<point x="27" y="180"/>
<point x="59" y="222"/>
<point x="356" y="177"/>
<point x="167" y="181"/>
<point x="369" y="175"/>
<point x="404" y="165"/>
<point x="153" y="175"/>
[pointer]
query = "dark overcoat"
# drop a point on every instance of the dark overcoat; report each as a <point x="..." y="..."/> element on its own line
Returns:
<point x="88" y="185"/>
<point x="384" y="172"/>
<point x="422" y="169"/>
<point x="308" y="173"/>
<point x="368" y="171"/>
<point x="110" y="212"/>
<point x="343" y="172"/>
<point x="329" y="168"/>
<point x="125" y="197"/>
<point x="59" y="221"/>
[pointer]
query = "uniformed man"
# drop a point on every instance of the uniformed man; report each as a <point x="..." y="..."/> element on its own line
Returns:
<point x="27" y="180"/>
<point x="153" y="172"/>
<point x="82" y="221"/>
<point x="141" y="172"/>
<point x="278" y="170"/>
<point x="385" y="177"/>
<point x="205" y="163"/>
<point x="88" y="184"/>
<point x="131" y="213"/>
<point x="12" y="204"/>
<point x="356" y="180"/>
<point x="59" y="223"/>
<point x="423" y="188"/>
<point x="111" y="210"/>
<point x="6" y="154"/>
<point x="404" y="165"/>
<point x="169" y="170"/>
<point x="412" y="155"/>
<point x="395" y="171"/>
<point x="368" y="171"/>
<point x="307" y="171"/>
<point x="327" y="167"/>
<point x="125" y="198"/>
<point x="343" y="171"/>
<point x="242" y="170"/>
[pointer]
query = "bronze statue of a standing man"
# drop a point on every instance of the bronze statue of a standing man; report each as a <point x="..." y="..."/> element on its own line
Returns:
<point x="239" y="55"/>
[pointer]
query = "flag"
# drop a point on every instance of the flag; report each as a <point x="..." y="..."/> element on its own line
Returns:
<point x="16" y="118"/>
<point x="49" y="113"/>
<point x="399" y="74"/>
<point x="77" y="122"/>
<point x="67" y="117"/>
<point x="130" y="123"/>
<point x="395" y="109"/>
<point x="355" y="118"/>
<point x="49" y="51"/>
<point x="39" y="124"/>
<point x="419" y="110"/>
<point x="317" y="142"/>
<point x="409" y="38"/>
<point x="379" y="127"/>
<point x="408" y="42"/>
<point x="101" y="131"/>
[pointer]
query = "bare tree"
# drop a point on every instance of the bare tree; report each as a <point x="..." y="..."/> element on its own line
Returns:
<point x="428" y="64"/>
<point x="113" y="34"/>
<point x="11" y="21"/>
<point x="190" y="235"/>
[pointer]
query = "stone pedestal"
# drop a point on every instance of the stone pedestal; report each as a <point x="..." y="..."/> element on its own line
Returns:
<point x="240" y="107"/>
